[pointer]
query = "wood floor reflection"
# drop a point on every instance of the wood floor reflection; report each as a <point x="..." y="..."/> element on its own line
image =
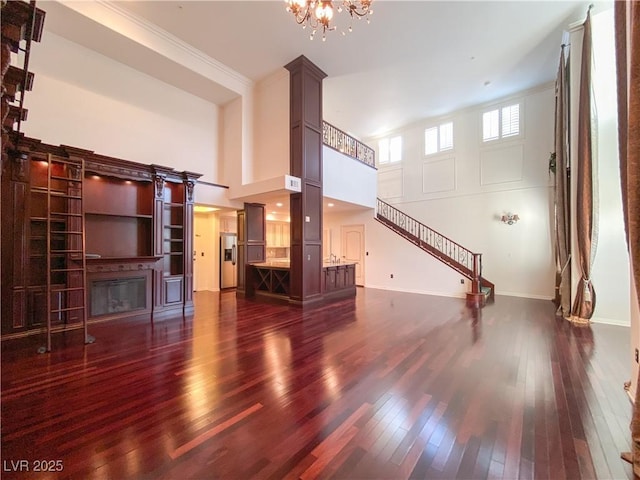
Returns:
<point x="386" y="385"/>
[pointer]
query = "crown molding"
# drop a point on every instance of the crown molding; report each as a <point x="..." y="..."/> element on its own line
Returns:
<point x="160" y="41"/>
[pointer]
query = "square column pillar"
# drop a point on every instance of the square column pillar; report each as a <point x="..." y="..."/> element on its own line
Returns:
<point x="306" y="163"/>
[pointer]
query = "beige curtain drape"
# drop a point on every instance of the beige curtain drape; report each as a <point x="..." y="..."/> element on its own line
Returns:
<point x="561" y="192"/>
<point x="627" y="27"/>
<point x="585" y="301"/>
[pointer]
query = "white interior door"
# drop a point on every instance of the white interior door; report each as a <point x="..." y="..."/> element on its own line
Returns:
<point x="198" y="248"/>
<point x="205" y="253"/>
<point x="353" y="248"/>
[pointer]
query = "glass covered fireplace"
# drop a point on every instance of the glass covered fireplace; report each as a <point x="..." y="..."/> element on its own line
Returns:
<point x="118" y="295"/>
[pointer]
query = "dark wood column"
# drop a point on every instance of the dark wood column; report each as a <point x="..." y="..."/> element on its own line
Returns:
<point x="189" y="179"/>
<point x="252" y="245"/>
<point x="159" y="176"/>
<point x="15" y="246"/>
<point x="306" y="163"/>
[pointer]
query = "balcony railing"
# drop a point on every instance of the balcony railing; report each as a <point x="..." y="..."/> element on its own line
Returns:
<point x="338" y="140"/>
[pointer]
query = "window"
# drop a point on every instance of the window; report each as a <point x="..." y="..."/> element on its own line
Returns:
<point x="383" y="147"/>
<point x="491" y="125"/>
<point x="446" y="136"/>
<point x="438" y="139"/>
<point x="511" y="120"/>
<point x="501" y="122"/>
<point x="390" y="150"/>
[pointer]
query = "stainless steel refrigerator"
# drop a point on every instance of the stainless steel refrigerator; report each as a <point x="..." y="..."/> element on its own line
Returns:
<point x="228" y="260"/>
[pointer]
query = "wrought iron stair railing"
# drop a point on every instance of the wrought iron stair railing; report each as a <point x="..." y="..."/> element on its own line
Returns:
<point x="457" y="257"/>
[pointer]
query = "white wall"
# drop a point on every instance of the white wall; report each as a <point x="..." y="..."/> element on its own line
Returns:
<point x="271" y="126"/>
<point x="231" y="167"/>
<point x="212" y="195"/>
<point x="346" y="179"/>
<point x="386" y="254"/>
<point x="462" y="194"/>
<point x="87" y="100"/>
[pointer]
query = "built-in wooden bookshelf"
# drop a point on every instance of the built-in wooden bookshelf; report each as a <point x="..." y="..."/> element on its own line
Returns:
<point x="118" y="215"/>
<point x="173" y="229"/>
<point x="132" y="223"/>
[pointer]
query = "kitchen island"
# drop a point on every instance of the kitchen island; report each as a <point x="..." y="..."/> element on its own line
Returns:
<point x="270" y="280"/>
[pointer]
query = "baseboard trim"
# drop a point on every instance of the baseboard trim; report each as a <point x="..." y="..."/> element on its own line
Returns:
<point x="420" y="292"/>
<point x="610" y="321"/>
<point x="525" y="295"/>
<point x="460" y="295"/>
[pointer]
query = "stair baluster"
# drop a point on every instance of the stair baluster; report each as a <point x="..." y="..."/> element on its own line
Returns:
<point x="457" y="257"/>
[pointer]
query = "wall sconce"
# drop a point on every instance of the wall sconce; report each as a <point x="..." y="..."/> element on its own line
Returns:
<point x="510" y="218"/>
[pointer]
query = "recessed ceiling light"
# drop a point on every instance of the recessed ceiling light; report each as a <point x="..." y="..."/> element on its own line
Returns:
<point x="279" y="204"/>
<point x="329" y="204"/>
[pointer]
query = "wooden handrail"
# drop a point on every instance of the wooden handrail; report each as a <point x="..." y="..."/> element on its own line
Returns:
<point x="344" y="143"/>
<point x="461" y="259"/>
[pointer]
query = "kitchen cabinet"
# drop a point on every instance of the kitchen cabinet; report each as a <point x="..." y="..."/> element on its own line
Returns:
<point x="278" y="234"/>
<point x="228" y="224"/>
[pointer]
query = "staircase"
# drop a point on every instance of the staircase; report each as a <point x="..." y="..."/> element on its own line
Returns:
<point x="452" y="254"/>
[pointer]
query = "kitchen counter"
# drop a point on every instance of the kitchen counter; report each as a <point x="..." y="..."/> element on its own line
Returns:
<point x="287" y="264"/>
<point x="272" y="278"/>
<point x="282" y="264"/>
<point x="330" y="264"/>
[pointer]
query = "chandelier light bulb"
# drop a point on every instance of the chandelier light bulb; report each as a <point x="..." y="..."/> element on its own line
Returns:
<point x="318" y="14"/>
<point x="324" y="12"/>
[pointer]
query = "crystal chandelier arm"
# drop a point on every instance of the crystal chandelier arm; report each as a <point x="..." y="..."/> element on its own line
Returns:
<point x="359" y="8"/>
<point x="301" y="10"/>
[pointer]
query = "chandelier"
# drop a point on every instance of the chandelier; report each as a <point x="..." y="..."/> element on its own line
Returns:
<point x="317" y="14"/>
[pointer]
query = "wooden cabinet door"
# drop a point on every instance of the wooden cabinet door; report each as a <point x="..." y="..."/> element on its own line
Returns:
<point x="271" y="234"/>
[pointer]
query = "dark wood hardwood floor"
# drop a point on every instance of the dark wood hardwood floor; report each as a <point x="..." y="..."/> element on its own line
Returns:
<point x="386" y="385"/>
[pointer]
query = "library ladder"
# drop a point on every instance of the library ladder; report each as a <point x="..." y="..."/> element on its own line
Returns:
<point x="66" y="261"/>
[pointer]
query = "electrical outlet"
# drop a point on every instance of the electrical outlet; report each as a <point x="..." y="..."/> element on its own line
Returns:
<point x="637" y="355"/>
<point x="392" y="275"/>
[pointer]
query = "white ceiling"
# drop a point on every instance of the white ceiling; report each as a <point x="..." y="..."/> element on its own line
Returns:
<point x="415" y="60"/>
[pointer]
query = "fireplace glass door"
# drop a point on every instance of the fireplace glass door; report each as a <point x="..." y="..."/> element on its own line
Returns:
<point x="118" y="295"/>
